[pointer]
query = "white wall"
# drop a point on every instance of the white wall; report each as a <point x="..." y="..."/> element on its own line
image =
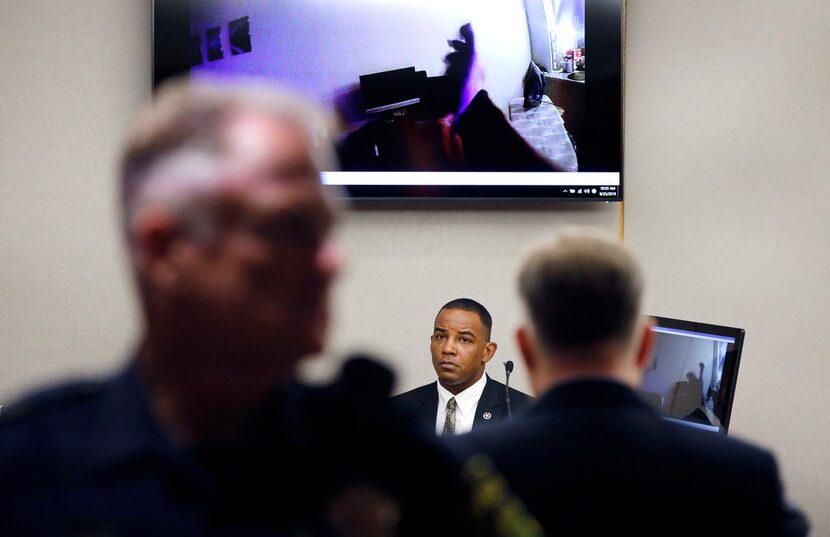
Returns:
<point x="321" y="47"/>
<point x="727" y="119"/>
<point x="540" y="46"/>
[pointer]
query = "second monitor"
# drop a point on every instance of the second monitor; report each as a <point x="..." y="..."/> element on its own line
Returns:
<point x="692" y="372"/>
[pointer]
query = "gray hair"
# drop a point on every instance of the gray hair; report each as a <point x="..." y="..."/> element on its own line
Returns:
<point x="175" y="151"/>
<point x="581" y="289"/>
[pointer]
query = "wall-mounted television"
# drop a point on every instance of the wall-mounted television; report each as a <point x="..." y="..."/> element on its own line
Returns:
<point x="433" y="98"/>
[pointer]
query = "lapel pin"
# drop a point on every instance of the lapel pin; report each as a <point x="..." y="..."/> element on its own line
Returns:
<point x="487" y="415"/>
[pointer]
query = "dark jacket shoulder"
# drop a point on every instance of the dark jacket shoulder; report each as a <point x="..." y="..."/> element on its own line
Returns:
<point x="45" y="436"/>
<point x="417" y="394"/>
<point x="493" y="405"/>
<point x="418" y="407"/>
<point x="599" y="439"/>
<point x="64" y="399"/>
<point x="519" y="401"/>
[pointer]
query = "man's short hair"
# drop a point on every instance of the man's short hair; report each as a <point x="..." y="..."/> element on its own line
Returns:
<point x="176" y="147"/>
<point x="581" y="289"/>
<point x="468" y="304"/>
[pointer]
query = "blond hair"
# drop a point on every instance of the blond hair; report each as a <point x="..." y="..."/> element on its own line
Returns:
<point x="581" y="289"/>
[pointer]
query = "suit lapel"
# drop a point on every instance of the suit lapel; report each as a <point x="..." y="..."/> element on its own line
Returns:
<point x="429" y="403"/>
<point x="490" y="408"/>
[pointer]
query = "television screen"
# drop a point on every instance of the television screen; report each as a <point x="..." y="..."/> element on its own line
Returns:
<point x="692" y="372"/>
<point x="433" y="98"/>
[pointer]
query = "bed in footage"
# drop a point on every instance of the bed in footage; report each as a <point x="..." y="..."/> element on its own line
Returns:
<point x="417" y="86"/>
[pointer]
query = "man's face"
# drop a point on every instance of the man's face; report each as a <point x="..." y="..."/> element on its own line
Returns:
<point x="459" y="349"/>
<point x="261" y="284"/>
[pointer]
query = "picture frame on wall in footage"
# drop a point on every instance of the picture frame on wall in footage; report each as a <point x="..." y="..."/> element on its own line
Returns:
<point x="468" y="99"/>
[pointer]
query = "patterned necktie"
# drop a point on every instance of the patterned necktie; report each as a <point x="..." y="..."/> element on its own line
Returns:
<point x="449" y="422"/>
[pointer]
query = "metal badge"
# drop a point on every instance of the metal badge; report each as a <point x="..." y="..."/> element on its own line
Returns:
<point x="487" y="415"/>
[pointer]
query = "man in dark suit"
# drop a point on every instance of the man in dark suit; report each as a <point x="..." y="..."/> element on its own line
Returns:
<point x="464" y="398"/>
<point x="593" y="458"/>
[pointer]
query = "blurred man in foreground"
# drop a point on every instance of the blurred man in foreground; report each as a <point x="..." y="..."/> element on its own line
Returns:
<point x="592" y="458"/>
<point x="205" y="431"/>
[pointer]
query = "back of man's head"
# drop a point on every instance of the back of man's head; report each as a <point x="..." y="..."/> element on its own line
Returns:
<point x="582" y="291"/>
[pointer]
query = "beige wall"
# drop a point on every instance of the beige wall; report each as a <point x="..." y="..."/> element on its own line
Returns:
<point x="727" y="116"/>
<point x="73" y="74"/>
<point x="728" y="200"/>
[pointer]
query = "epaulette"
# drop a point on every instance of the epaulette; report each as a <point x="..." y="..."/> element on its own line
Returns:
<point x="493" y="504"/>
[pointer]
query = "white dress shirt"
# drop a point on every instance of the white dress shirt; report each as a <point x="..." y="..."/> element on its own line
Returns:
<point x="465" y="412"/>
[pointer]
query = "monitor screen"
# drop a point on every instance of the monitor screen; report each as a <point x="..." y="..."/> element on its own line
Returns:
<point x="692" y="372"/>
<point x="432" y="98"/>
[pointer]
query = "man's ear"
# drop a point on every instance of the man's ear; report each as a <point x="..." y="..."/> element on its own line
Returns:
<point x="155" y="235"/>
<point x="526" y="348"/>
<point x="645" y="345"/>
<point x="489" y="351"/>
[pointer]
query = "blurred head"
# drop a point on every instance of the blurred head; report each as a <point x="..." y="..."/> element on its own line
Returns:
<point x="582" y="292"/>
<point x="460" y="343"/>
<point x="229" y="228"/>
